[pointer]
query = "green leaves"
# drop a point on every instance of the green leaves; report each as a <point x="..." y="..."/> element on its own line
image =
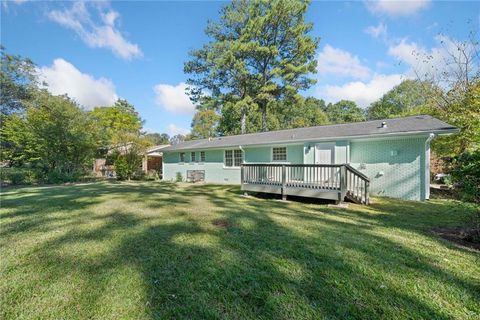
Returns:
<point x="345" y="111"/>
<point x="403" y="98"/>
<point x="54" y="133"/>
<point x="17" y="82"/>
<point x="204" y="124"/>
<point x="258" y="49"/>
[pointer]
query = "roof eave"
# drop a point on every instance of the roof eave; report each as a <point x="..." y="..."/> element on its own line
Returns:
<point x="372" y="136"/>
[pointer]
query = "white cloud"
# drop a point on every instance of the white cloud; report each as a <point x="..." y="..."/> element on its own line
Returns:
<point x="173" y="98"/>
<point x="174" y="130"/>
<point x="337" y="62"/>
<point x="363" y="93"/>
<point x="96" y="35"/>
<point x="63" y="78"/>
<point x="397" y="8"/>
<point x="406" y="52"/>
<point x="379" y="31"/>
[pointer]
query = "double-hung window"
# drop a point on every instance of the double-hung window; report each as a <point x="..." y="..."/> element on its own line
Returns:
<point x="279" y="154"/>
<point x="237" y="158"/>
<point x="233" y="158"/>
<point x="193" y="156"/>
<point x="202" y="156"/>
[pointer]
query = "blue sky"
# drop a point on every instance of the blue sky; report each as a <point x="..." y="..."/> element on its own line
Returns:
<point x="99" y="51"/>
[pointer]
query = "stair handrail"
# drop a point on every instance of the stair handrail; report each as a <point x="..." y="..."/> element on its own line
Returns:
<point x="358" y="173"/>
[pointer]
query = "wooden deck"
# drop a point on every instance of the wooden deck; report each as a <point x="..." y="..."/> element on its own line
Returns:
<point x="334" y="182"/>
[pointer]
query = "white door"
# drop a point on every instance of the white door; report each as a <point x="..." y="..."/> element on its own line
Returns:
<point x="324" y="154"/>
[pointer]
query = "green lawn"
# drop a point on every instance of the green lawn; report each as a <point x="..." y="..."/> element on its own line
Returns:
<point x="157" y="250"/>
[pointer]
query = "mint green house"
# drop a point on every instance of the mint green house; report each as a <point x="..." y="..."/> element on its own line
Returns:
<point x="382" y="157"/>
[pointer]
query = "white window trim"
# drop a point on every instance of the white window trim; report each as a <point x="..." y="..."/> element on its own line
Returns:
<point x="233" y="159"/>
<point x="193" y="160"/>
<point x="279" y="161"/>
<point x="204" y="158"/>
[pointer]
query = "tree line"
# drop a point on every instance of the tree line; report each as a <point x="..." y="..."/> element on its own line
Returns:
<point x="250" y="76"/>
<point x="52" y="139"/>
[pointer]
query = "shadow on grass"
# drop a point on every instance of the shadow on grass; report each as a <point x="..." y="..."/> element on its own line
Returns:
<point x="270" y="259"/>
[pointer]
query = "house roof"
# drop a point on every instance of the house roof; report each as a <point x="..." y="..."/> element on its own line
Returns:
<point x="156" y="150"/>
<point x="422" y="124"/>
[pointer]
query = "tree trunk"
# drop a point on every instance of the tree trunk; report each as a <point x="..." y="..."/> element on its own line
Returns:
<point x="264" y="118"/>
<point x="244" y="120"/>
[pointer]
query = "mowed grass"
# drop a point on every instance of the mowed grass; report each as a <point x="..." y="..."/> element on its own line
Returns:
<point x="144" y="250"/>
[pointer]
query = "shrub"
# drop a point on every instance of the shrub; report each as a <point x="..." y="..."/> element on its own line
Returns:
<point x="18" y="176"/>
<point x="57" y="176"/>
<point x="121" y="168"/>
<point x="178" y="177"/>
<point x="465" y="174"/>
<point x="127" y="166"/>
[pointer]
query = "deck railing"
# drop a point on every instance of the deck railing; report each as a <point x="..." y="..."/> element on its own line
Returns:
<point x="341" y="178"/>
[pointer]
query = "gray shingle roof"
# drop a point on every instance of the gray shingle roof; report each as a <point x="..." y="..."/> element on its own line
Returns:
<point x="397" y="126"/>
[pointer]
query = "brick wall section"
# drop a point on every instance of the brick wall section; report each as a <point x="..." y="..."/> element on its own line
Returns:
<point x="402" y="162"/>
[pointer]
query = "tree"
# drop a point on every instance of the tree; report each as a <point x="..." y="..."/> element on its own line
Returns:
<point x="119" y="119"/>
<point x="302" y="113"/>
<point x="407" y="96"/>
<point x="157" y="138"/>
<point x="260" y="54"/>
<point x="455" y="70"/>
<point x="54" y="133"/>
<point x="129" y="150"/>
<point x="464" y="114"/>
<point x="18" y="82"/>
<point x="344" y="111"/>
<point x="205" y="124"/>
<point x="176" y="139"/>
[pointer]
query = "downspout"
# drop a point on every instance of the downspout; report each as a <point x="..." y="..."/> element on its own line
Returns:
<point x="427" y="165"/>
<point x="242" y="168"/>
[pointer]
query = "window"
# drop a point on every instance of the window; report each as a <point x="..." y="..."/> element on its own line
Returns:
<point x="182" y="156"/>
<point x="279" y="154"/>
<point x="193" y="156"/>
<point x="237" y="157"/>
<point x="228" y="158"/>
<point x="202" y="156"/>
<point x="233" y="158"/>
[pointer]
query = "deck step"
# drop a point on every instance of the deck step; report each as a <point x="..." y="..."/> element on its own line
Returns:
<point x="349" y="196"/>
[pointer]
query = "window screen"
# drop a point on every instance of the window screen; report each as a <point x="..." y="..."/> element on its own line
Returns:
<point x="193" y="157"/>
<point x="228" y="158"/>
<point x="237" y="158"/>
<point x="202" y="156"/>
<point x="279" y="154"/>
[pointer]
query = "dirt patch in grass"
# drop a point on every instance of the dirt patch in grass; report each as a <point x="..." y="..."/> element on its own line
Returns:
<point x="457" y="235"/>
<point x="221" y="223"/>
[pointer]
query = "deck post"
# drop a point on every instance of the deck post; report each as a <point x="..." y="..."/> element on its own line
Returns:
<point x="343" y="182"/>
<point x="367" y="186"/>
<point x="242" y="168"/>
<point x="284" y="192"/>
